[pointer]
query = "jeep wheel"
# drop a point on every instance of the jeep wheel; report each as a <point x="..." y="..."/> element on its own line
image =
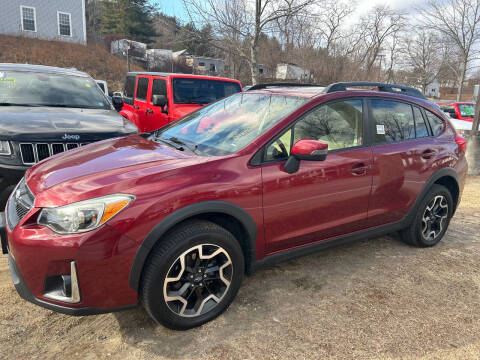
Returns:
<point x="192" y="276"/>
<point x="432" y="219"/>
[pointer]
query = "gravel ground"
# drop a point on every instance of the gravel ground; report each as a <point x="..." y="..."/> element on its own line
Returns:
<point x="376" y="298"/>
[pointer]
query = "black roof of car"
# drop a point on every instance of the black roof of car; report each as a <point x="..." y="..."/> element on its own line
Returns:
<point x="42" y="68"/>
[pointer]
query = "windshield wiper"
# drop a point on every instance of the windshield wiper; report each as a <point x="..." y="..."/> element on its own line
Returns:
<point x="183" y="143"/>
<point x="173" y="141"/>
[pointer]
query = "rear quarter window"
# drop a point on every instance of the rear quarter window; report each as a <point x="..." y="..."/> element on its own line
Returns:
<point x="436" y="123"/>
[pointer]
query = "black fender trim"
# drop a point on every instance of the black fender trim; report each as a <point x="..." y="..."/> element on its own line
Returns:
<point x="443" y="172"/>
<point x="184" y="213"/>
<point x="359" y="235"/>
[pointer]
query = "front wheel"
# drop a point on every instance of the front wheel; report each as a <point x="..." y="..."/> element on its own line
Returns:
<point x="192" y="276"/>
<point x="432" y="219"/>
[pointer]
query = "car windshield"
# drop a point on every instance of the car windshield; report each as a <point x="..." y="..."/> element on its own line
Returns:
<point x="467" y="110"/>
<point x="202" y="91"/>
<point x="26" y="88"/>
<point x="228" y="125"/>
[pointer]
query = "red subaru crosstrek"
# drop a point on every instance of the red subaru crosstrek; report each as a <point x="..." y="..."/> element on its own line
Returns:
<point x="175" y="218"/>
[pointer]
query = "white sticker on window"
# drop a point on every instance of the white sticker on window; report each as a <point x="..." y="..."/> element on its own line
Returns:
<point x="3" y="75"/>
<point x="381" y="129"/>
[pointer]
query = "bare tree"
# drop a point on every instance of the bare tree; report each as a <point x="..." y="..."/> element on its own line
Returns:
<point x="375" y="30"/>
<point x="459" y="21"/>
<point x="424" y="55"/>
<point x="240" y="23"/>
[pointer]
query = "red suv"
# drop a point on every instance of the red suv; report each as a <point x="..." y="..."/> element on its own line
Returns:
<point x="153" y="100"/>
<point x="174" y="219"/>
<point x="459" y="110"/>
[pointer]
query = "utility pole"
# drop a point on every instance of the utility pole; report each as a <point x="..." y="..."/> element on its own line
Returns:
<point x="128" y="57"/>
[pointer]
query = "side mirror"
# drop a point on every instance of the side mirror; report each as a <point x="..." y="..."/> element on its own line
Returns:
<point x="117" y="102"/>
<point x="160" y="100"/>
<point x="305" y="149"/>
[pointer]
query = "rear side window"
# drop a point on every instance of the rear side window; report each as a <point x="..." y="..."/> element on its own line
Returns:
<point x="435" y="123"/>
<point x="421" y="129"/>
<point x="393" y="121"/>
<point x="129" y="90"/>
<point x="142" y="89"/>
<point x="201" y="91"/>
<point x="159" y="87"/>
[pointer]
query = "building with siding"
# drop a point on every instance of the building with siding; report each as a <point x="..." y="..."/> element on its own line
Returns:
<point x="62" y="20"/>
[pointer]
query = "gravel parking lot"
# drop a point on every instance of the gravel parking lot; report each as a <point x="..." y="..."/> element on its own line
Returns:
<point x="376" y="298"/>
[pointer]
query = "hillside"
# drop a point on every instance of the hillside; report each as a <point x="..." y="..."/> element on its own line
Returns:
<point x="93" y="59"/>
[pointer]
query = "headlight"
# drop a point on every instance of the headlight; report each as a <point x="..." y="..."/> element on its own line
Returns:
<point x="5" y="148"/>
<point x="84" y="215"/>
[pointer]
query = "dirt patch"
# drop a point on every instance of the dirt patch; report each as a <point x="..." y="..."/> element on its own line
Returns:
<point x="376" y="298"/>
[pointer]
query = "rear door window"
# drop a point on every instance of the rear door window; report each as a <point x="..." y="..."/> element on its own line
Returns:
<point x="159" y="87"/>
<point x="421" y="129"/>
<point x="393" y="121"/>
<point x="142" y="89"/>
<point x="435" y="123"/>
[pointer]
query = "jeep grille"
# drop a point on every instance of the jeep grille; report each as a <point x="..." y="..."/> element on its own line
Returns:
<point x="35" y="152"/>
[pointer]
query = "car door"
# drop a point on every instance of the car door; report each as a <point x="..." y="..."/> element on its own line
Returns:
<point x="140" y="102"/>
<point x="323" y="199"/>
<point x="155" y="118"/>
<point x="403" y="155"/>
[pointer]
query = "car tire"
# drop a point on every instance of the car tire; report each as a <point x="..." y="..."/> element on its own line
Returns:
<point x="432" y="218"/>
<point x="182" y="294"/>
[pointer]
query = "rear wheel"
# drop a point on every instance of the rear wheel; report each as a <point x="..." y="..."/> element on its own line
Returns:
<point x="192" y="276"/>
<point x="432" y="219"/>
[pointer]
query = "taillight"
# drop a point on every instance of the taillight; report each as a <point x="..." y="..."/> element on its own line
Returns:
<point x="462" y="143"/>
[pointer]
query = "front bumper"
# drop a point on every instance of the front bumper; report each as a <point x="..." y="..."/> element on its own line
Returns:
<point x="102" y="261"/>
<point x="26" y="294"/>
<point x="9" y="178"/>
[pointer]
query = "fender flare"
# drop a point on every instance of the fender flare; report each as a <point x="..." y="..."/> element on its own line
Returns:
<point x="443" y="172"/>
<point x="178" y="216"/>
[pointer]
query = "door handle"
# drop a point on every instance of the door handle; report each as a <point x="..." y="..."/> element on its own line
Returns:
<point x="135" y="107"/>
<point x="360" y="169"/>
<point x="149" y="111"/>
<point x="428" y="154"/>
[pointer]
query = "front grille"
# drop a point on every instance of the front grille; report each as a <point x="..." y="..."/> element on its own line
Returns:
<point x="35" y="152"/>
<point x="21" y="202"/>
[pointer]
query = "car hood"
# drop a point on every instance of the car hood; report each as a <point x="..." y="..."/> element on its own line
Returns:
<point x="34" y="124"/>
<point x="104" y="164"/>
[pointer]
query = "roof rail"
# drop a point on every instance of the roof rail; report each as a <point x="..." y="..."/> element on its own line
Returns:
<point x="392" y="88"/>
<point x="286" y="84"/>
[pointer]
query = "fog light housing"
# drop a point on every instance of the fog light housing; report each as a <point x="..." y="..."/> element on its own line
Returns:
<point x="63" y="287"/>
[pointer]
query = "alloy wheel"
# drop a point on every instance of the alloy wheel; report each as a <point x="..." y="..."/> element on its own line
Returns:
<point x="198" y="280"/>
<point x="434" y="217"/>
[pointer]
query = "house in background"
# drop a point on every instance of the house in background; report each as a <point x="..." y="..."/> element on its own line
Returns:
<point x="62" y="20"/>
<point x="292" y="72"/>
<point x="205" y="65"/>
<point x="433" y="89"/>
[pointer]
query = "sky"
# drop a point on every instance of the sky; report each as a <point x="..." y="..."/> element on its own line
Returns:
<point x="175" y="7"/>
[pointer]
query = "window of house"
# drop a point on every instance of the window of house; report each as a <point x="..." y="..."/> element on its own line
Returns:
<point x="435" y="123"/>
<point x="260" y="70"/>
<point x="201" y="64"/>
<point x="212" y="67"/>
<point x="142" y="89"/>
<point x="393" y="121"/>
<point x="64" y="24"/>
<point x="29" y="22"/>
